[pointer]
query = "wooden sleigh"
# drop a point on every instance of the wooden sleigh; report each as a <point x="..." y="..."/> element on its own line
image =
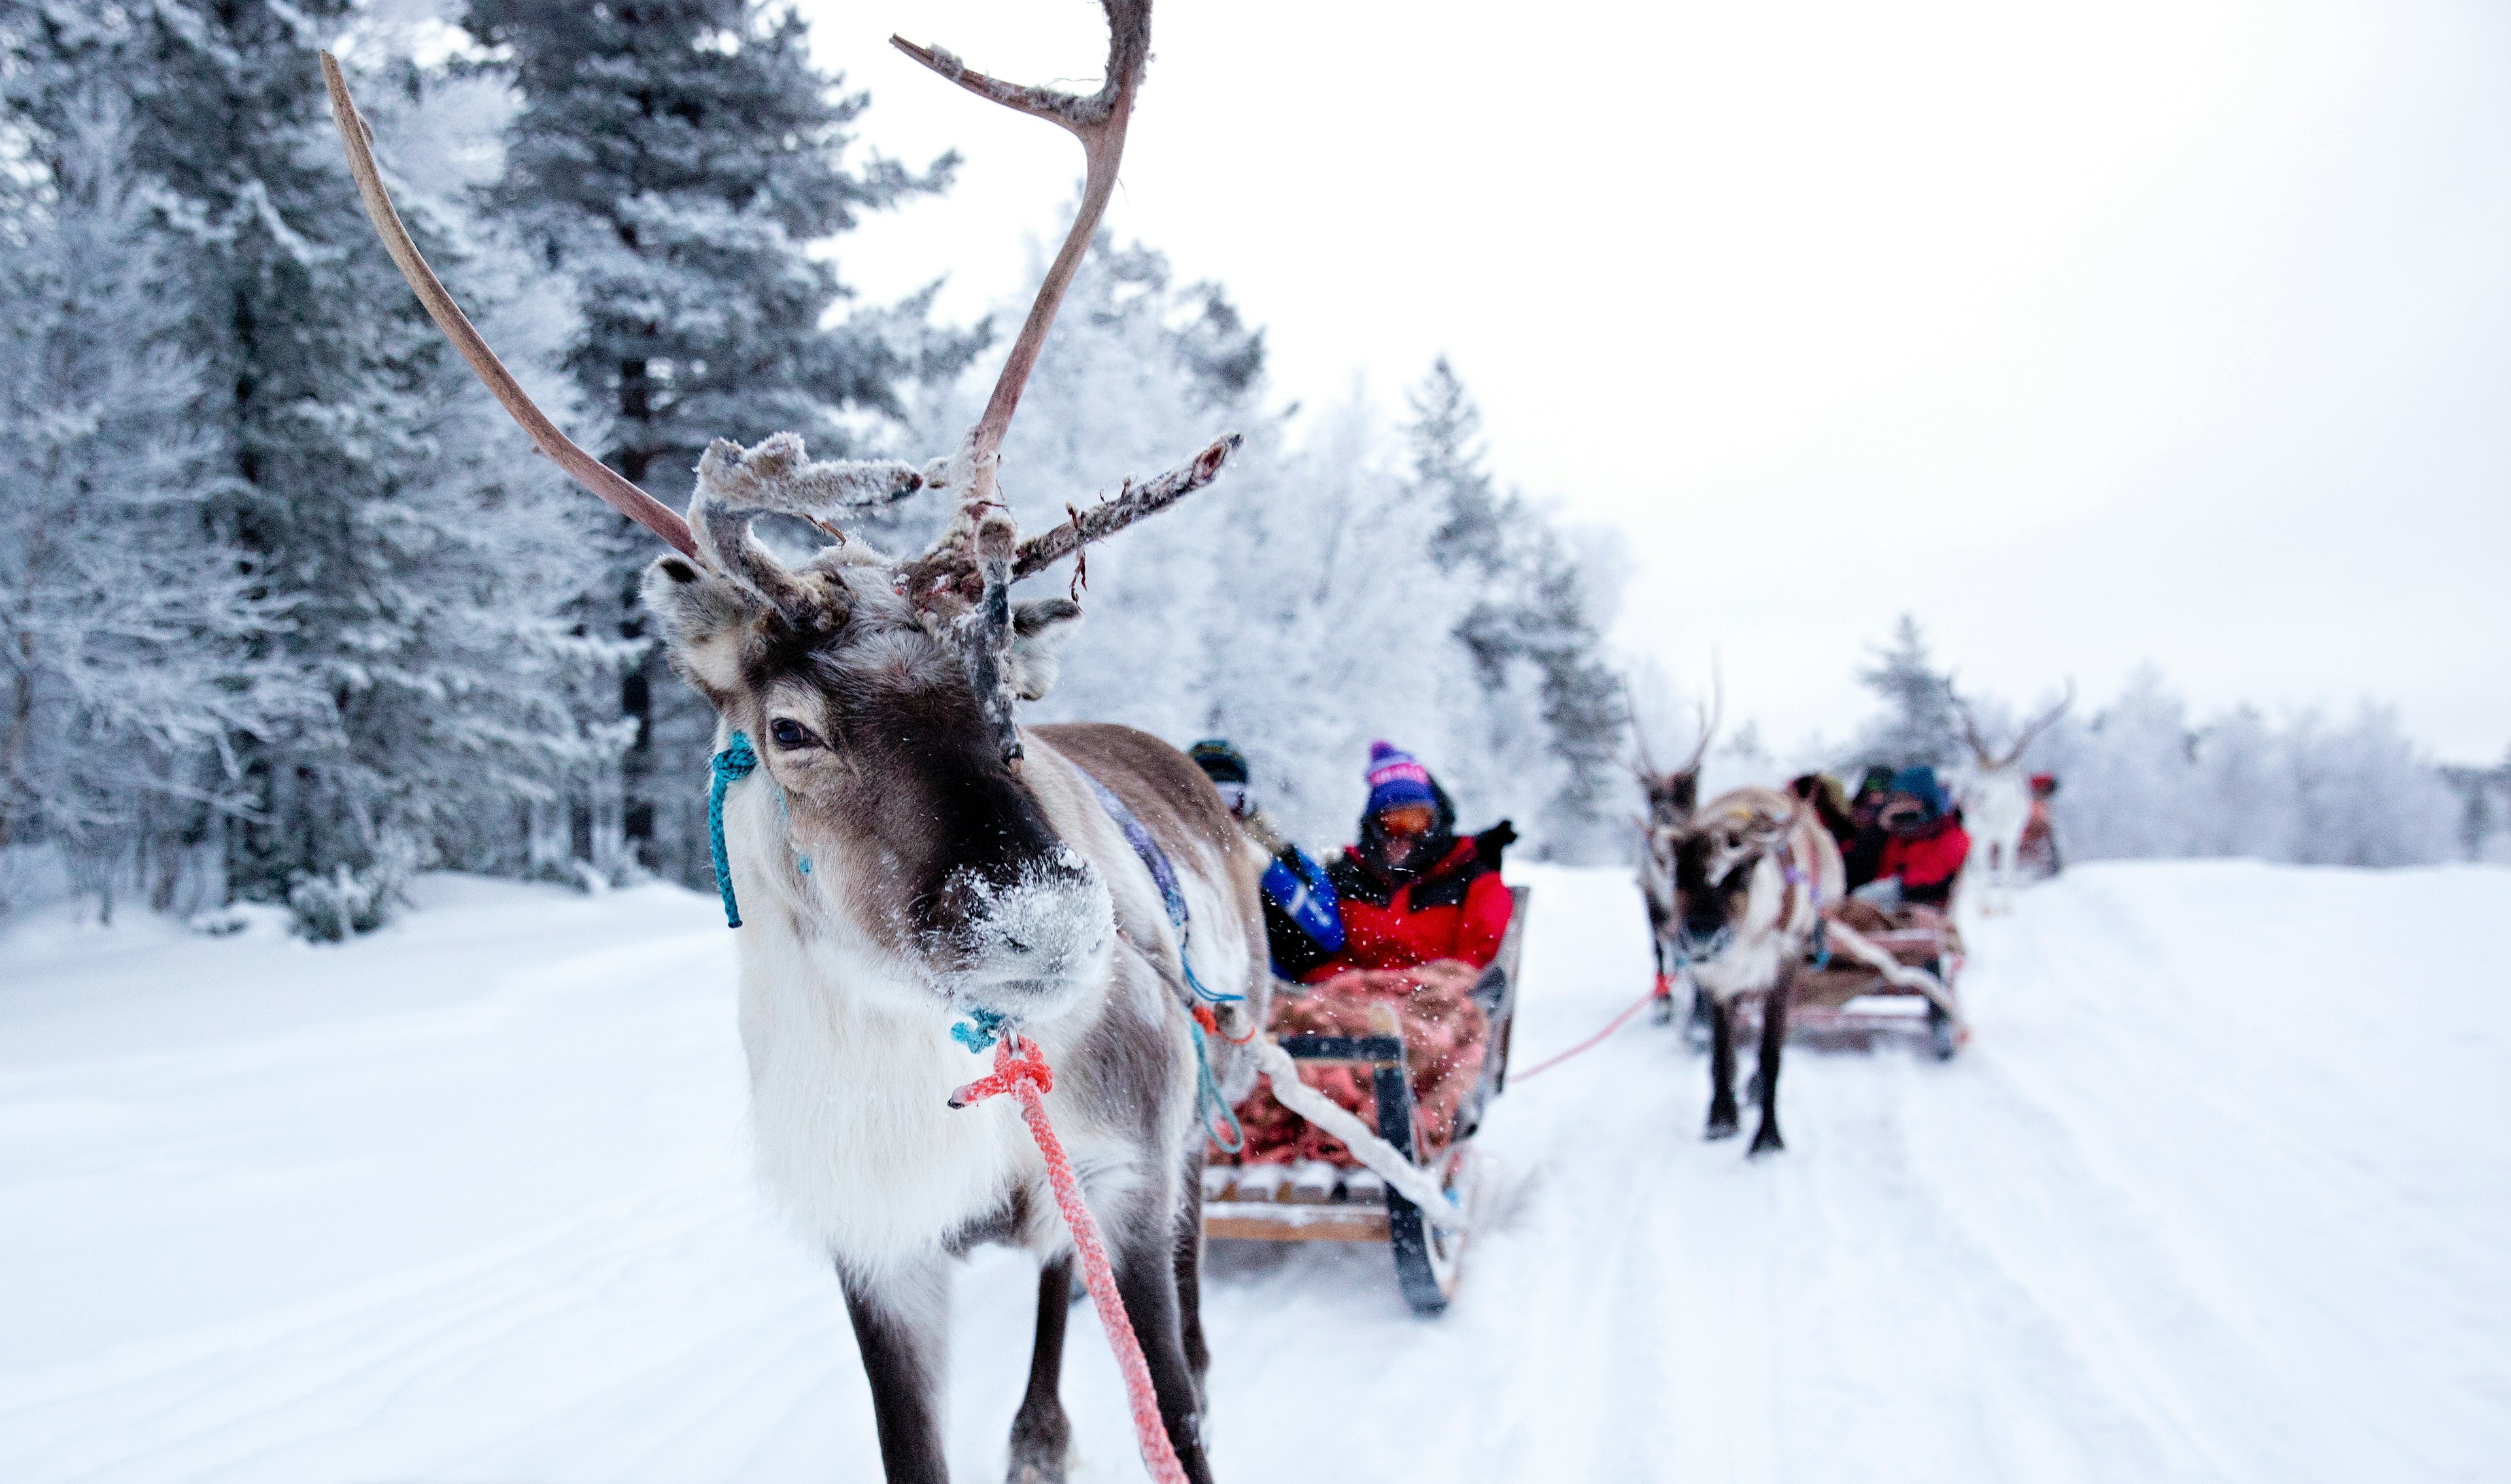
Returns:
<point x="1841" y="1000"/>
<point x="1335" y="1203"/>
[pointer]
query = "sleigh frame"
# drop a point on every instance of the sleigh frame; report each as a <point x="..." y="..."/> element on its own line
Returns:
<point x="1262" y="1203"/>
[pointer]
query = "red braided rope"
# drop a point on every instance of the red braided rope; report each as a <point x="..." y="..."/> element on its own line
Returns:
<point x="1027" y="1077"/>
<point x="1591" y="1041"/>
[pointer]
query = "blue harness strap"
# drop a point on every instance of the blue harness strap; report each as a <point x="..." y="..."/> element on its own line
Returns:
<point x="1138" y="835"/>
<point x="1813" y="889"/>
<point x="1224" y="1133"/>
<point x="1156" y="860"/>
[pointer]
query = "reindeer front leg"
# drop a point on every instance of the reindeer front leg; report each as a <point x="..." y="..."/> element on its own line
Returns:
<point x="1189" y="1281"/>
<point x="1723" y="1119"/>
<point x="902" y="1328"/>
<point x="1661" y="1008"/>
<point x="1041" y="1433"/>
<point x="1774" y="1039"/>
<point x="1145" y="1256"/>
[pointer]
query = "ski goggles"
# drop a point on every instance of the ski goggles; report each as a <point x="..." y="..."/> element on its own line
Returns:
<point x="1408" y="820"/>
<point x="1234" y="796"/>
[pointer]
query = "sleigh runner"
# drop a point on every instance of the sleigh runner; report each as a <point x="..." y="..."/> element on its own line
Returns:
<point x="1337" y="1198"/>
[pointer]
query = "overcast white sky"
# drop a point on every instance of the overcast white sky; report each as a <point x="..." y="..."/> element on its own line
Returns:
<point x="2134" y="331"/>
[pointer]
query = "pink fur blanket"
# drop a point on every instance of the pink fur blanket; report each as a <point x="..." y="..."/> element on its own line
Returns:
<point x="1444" y="1030"/>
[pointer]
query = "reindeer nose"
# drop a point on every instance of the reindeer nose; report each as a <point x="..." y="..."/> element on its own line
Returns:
<point x="958" y="904"/>
<point x="1045" y="908"/>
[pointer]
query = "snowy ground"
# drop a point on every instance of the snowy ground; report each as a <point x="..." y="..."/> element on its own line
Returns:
<point x="2222" y="1191"/>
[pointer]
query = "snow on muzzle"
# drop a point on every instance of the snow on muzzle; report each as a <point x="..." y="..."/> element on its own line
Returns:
<point x="1024" y="946"/>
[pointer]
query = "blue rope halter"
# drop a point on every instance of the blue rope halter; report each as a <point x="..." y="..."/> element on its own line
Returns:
<point x="733" y="764"/>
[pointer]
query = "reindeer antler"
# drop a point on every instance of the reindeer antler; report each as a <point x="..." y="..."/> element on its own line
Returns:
<point x="961" y="583"/>
<point x="1980" y="751"/>
<point x="1709" y="716"/>
<point x="1128" y="505"/>
<point x="1098" y="121"/>
<point x="591" y="472"/>
<point x="2046" y="720"/>
<point x="1638" y="736"/>
<point x="960" y="587"/>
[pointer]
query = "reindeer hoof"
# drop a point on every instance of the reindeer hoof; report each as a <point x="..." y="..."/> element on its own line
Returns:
<point x="1766" y="1142"/>
<point x="1722" y="1126"/>
<point x="1041" y="1450"/>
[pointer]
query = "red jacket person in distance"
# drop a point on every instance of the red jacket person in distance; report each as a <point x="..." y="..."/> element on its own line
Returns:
<point x="1925" y="844"/>
<point x="1412" y="892"/>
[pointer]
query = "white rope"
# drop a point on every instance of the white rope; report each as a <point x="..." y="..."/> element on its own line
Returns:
<point x="1415" y="1184"/>
<point x="1892" y="968"/>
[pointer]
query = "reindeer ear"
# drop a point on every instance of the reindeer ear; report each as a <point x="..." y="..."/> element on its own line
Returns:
<point x="703" y="617"/>
<point x="1038" y="630"/>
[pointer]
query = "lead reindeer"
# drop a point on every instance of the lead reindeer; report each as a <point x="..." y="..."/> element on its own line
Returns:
<point x="1749" y="877"/>
<point x="914" y="855"/>
<point x="1671" y="796"/>
<point x="1996" y="800"/>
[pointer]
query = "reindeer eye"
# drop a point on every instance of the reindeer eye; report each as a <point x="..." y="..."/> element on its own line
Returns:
<point x="790" y="734"/>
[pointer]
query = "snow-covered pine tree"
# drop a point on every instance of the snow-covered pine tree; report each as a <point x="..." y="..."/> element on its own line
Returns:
<point x="679" y="159"/>
<point x="123" y="629"/>
<point x="357" y="479"/>
<point x="1551" y="707"/>
<point x="2140" y="780"/>
<point x="1918" y="724"/>
<point x="2481" y="797"/>
<point x="2365" y="795"/>
<point x="529" y="705"/>
<point x="2245" y="789"/>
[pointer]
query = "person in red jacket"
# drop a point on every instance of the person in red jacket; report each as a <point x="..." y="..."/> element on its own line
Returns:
<point x="1411" y="892"/>
<point x="1925" y="844"/>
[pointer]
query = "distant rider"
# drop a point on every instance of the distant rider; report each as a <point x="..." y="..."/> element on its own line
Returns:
<point x="1829" y="805"/>
<point x="1302" y="921"/>
<point x="1925" y="845"/>
<point x="1861" y="854"/>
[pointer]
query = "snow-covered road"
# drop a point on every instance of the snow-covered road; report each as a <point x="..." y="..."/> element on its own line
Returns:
<point x="2221" y="1191"/>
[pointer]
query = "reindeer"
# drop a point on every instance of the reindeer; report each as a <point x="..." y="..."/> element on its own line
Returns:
<point x="1670" y="797"/>
<point x="1996" y="800"/>
<point x="1749" y="877"/>
<point x="912" y="855"/>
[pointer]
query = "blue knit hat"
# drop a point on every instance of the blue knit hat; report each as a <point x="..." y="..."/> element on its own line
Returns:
<point x="1396" y="778"/>
<point x="1920" y="784"/>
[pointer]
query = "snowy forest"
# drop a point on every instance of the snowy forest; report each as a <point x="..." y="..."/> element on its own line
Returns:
<point x="289" y="611"/>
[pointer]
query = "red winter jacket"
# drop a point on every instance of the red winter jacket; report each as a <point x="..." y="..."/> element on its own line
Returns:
<point x="1458" y="909"/>
<point x="1927" y="861"/>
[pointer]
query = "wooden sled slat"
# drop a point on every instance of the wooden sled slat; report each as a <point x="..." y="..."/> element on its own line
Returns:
<point x="1251" y="1221"/>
